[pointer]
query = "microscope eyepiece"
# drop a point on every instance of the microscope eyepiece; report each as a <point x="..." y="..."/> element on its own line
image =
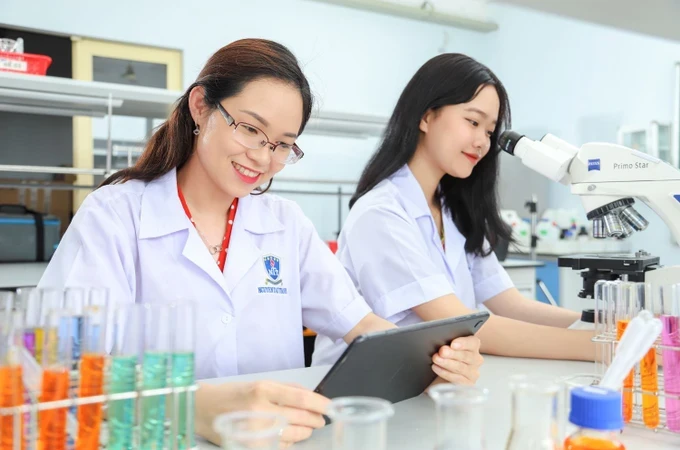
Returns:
<point x="508" y="140"/>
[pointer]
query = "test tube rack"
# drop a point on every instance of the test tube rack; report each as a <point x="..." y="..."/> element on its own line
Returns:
<point x="607" y="341"/>
<point x="31" y="408"/>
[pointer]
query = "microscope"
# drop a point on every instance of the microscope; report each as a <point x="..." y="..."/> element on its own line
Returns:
<point x="608" y="178"/>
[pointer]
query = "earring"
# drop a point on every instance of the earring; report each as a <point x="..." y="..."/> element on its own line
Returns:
<point x="196" y="130"/>
<point x="479" y="153"/>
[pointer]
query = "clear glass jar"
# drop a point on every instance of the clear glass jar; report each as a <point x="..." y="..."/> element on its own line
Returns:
<point x="359" y="423"/>
<point x="250" y="430"/>
<point x="460" y="416"/>
<point x="535" y="406"/>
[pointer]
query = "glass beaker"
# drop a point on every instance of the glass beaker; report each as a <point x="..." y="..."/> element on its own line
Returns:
<point x="568" y="383"/>
<point x="460" y="416"/>
<point x="535" y="406"/>
<point x="247" y="430"/>
<point x="360" y="423"/>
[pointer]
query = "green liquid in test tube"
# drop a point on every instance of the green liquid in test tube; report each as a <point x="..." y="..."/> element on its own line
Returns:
<point x="181" y="407"/>
<point x="127" y="347"/>
<point x="157" y="348"/>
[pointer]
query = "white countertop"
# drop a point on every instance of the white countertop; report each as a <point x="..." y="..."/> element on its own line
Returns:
<point x="563" y="247"/>
<point x="511" y="263"/>
<point x="14" y="275"/>
<point x="413" y="425"/>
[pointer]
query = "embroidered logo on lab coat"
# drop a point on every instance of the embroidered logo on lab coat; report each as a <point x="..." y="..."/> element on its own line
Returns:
<point x="272" y="265"/>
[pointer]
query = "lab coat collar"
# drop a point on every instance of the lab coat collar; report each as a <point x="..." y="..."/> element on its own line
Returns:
<point x="162" y="214"/>
<point x="162" y="211"/>
<point x="416" y="206"/>
<point x="256" y="215"/>
<point x="411" y="193"/>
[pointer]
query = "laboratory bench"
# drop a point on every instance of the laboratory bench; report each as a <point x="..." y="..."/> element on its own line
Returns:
<point x="413" y="424"/>
<point x="16" y="275"/>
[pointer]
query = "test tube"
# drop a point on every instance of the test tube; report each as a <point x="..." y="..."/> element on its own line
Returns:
<point x="56" y="363"/>
<point x="670" y="339"/>
<point x="627" y="306"/>
<point x="11" y="387"/>
<point x="602" y="351"/>
<point x="75" y="299"/>
<point x="6" y="308"/>
<point x="250" y="430"/>
<point x="359" y="423"/>
<point x="99" y="296"/>
<point x="649" y="373"/>
<point x="29" y="299"/>
<point x="610" y="293"/>
<point x="182" y="374"/>
<point x="157" y="348"/>
<point x="127" y="348"/>
<point x="460" y="416"/>
<point x="50" y="300"/>
<point x="92" y="365"/>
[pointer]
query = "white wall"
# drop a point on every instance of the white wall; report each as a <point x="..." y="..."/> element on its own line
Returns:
<point x="581" y="81"/>
<point x="357" y="62"/>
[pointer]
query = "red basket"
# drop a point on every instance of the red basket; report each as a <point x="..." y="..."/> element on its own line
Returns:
<point x="24" y="63"/>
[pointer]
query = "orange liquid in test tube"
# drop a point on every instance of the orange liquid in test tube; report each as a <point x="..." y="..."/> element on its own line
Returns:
<point x="11" y="394"/>
<point x="628" y="381"/>
<point x="650" y="383"/>
<point x="52" y="422"/>
<point x="90" y="416"/>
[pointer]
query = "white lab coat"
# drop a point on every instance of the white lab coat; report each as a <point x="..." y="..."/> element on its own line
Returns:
<point x="136" y="239"/>
<point x="391" y="249"/>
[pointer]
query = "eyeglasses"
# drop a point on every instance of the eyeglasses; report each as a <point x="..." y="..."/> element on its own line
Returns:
<point x="253" y="138"/>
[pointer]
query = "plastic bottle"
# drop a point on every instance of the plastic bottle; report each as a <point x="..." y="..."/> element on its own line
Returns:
<point x="597" y="413"/>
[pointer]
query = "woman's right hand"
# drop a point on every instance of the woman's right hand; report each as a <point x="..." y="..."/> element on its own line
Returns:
<point x="302" y="408"/>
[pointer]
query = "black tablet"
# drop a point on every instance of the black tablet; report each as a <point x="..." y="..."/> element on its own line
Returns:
<point x="395" y="364"/>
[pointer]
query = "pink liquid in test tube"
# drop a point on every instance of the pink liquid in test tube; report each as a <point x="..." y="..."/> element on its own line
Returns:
<point x="671" y="369"/>
<point x="670" y="336"/>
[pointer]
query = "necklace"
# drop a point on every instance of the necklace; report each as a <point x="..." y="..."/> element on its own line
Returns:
<point x="213" y="249"/>
<point x="221" y="249"/>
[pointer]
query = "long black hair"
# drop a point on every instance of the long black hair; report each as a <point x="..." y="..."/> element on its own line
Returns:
<point x="447" y="79"/>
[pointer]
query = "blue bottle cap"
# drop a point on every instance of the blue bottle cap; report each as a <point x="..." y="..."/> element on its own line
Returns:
<point x="596" y="408"/>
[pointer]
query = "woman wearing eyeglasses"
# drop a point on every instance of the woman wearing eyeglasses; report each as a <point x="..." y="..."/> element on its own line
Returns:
<point x="188" y="221"/>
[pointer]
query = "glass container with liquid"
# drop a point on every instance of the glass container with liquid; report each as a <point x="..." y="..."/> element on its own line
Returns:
<point x="597" y="413"/>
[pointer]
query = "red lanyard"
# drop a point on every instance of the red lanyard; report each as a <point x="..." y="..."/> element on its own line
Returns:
<point x="222" y="259"/>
